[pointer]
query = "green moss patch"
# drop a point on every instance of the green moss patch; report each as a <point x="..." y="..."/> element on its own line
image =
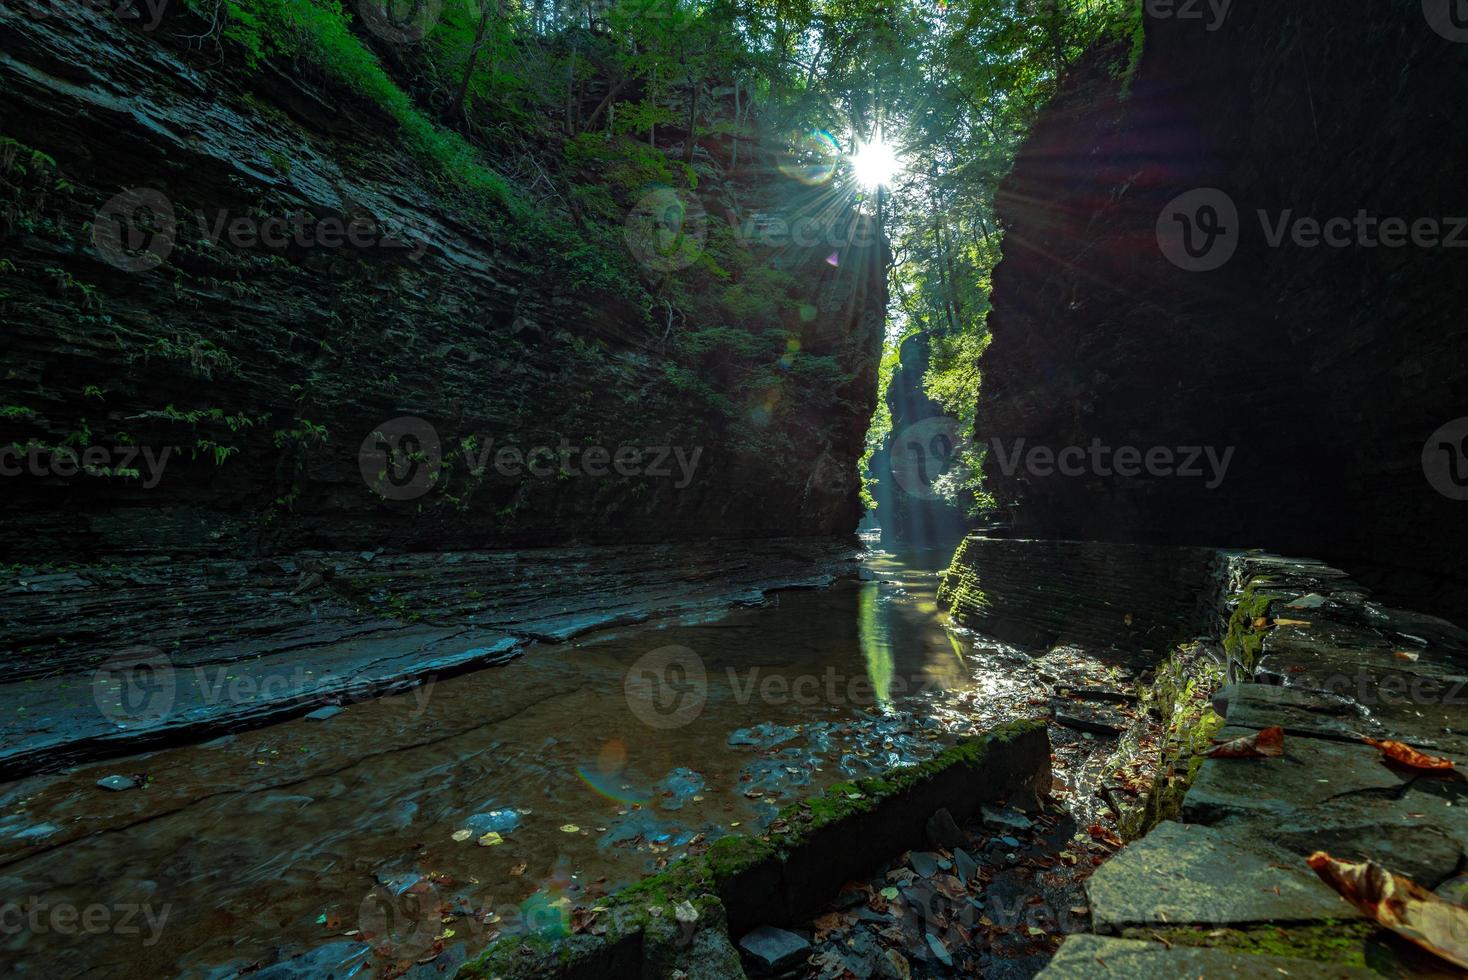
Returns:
<point x="1339" y="943"/>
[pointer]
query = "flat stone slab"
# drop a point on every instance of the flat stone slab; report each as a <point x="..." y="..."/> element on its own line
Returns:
<point x="1339" y="797"/>
<point x="1311" y="771"/>
<point x="1083" y="957"/>
<point x="1437" y="722"/>
<point x="1196" y="875"/>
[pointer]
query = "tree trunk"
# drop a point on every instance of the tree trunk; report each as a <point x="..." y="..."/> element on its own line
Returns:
<point x="460" y="103"/>
<point x="692" y="123"/>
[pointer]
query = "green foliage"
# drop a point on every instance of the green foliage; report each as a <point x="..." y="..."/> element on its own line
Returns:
<point x="318" y="33"/>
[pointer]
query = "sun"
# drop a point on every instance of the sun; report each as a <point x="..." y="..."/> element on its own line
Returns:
<point x="875" y="164"/>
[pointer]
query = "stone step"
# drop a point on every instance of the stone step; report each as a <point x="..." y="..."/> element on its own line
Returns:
<point x="1195" y="875"/>
<point x="1338" y="797"/>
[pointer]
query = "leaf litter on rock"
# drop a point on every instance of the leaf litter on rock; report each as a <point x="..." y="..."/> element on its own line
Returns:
<point x="1267" y="743"/>
<point x="1404" y="755"/>
<point x="1399" y="903"/>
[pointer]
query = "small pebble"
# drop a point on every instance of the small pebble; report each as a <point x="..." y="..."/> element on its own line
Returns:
<point x="117" y="783"/>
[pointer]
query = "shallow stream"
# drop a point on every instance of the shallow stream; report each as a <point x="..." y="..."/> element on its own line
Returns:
<point x="419" y="827"/>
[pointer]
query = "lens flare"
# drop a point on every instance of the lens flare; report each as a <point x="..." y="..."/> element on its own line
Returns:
<point x="812" y="158"/>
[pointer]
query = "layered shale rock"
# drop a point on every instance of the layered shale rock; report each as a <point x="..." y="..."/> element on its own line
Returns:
<point x="286" y="381"/>
<point x="1324" y="368"/>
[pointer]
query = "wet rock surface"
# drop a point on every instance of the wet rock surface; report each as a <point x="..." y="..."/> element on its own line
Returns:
<point x="1331" y="667"/>
<point x="464" y="319"/>
<point x="1126" y="959"/>
<point x="254" y="647"/>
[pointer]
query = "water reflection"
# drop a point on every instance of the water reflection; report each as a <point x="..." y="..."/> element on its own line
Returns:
<point x="271" y="843"/>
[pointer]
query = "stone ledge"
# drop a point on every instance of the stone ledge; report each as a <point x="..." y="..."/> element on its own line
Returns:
<point x="1338" y="666"/>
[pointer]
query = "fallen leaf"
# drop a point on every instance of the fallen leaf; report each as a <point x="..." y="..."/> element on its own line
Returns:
<point x="491" y="839"/>
<point x="1404" y="754"/>
<point x="826" y="924"/>
<point x="570" y="828"/>
<point x="582" y="918"/>
<point x="463" y="835"/>
<point x="518" y="869"/>
<point x="1398" y="903"/>
<point x="1292" y="622"/>
<point x="889" y="893"/>
<point x="1411" y="655"/>
<point x="1267" y="743"/>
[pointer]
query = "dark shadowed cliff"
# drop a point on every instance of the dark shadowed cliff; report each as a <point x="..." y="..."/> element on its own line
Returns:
<point x="1319" y="340"/>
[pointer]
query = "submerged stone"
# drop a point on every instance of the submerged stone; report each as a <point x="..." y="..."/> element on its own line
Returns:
<point x="943" y="832"/>
<point x="117" y="783"/>
<point x="966" y="866"/>
<point x="925" y="864"/>
<point x="1007" y="818"/>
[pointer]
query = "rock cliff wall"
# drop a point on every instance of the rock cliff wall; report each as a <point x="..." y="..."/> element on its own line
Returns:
<point x="1325" y="364"/>
<point x="277" y="373"/>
